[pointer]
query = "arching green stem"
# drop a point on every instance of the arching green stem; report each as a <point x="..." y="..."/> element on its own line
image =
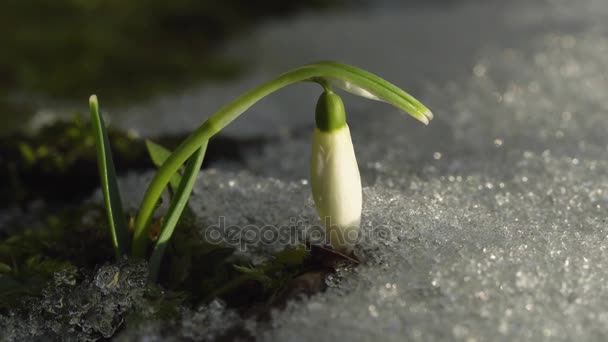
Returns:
<point x="344" y="76"/>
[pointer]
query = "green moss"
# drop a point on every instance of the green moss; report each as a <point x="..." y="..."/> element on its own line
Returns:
<point x="61" y="279"/>
<point x="76" y="239"/>
<point x="59" y="165"/>
<point x="30" y="257"/>
<point x="59" y="162"/>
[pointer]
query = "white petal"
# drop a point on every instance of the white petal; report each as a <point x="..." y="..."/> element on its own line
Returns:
<point x="354" y="89"/>
<point x="336" y="186"/>
<point x="424" y="117"/>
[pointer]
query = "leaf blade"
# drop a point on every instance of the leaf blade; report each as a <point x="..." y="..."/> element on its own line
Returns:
<point x="159" y="154"/>
<point x="178" y="204"/>
<point x="109" y="185"/>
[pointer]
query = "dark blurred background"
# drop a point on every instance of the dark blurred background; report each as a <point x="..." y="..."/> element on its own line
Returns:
<point x="55" y="53"/>
<point x="57" y="50"/>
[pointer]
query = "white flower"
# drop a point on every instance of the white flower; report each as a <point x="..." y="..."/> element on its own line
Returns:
<point x="335" y="179"/>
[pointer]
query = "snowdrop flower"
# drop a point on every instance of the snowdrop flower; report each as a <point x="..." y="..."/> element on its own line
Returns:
<point x="335" y="180"/>
<point x="334" y="174"/>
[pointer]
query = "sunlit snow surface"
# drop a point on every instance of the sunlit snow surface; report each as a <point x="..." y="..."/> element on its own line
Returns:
<point x="489" y="224"/>
<point x="497" y="210"/>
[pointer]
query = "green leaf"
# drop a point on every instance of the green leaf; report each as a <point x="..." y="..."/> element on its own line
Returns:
<point x="255" y="274"/>
<point x="178" y="204"/>
<point x="116" y="216"/>
<point x="159" y="154"/>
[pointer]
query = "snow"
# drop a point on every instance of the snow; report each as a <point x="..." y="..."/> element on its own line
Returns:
<point x="487" y="225"/>
<point x="490" y="224"/>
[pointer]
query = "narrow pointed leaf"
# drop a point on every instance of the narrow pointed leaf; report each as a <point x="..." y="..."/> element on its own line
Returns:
<point x="159" y="154"/>
<point x="178" y="204"/>
<point x="255" y="274"/>
<point x="109" y="186"/>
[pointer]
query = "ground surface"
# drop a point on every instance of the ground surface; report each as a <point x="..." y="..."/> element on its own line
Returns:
<point x="489" y="224"/>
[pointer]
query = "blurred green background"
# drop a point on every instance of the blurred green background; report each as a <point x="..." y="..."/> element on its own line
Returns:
<point x="55" y="51"/>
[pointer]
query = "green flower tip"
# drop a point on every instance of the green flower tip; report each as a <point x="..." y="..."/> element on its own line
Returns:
<point x="330" y="114"/>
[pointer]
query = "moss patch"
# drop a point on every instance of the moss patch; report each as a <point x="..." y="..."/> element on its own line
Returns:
<point x="59" y="281"/>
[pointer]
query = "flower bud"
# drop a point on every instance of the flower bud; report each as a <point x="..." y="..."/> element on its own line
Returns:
<point x="334" y="174"/>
